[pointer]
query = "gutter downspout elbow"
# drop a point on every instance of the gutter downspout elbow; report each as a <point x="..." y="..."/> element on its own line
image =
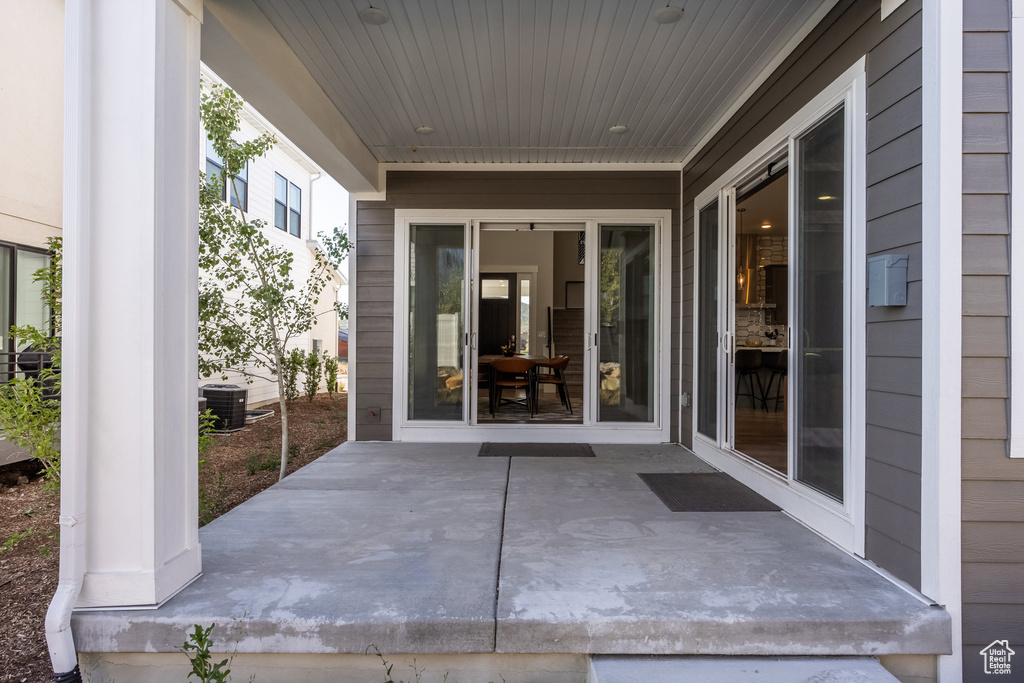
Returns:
<point x="75" y="352"/>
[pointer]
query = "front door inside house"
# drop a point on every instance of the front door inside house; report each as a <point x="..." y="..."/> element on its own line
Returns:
<point x="585" y="289"/>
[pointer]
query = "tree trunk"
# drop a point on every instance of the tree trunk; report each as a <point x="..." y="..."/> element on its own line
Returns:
<point x="283" y="402"/>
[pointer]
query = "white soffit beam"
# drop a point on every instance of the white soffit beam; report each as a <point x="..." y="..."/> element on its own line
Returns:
<point x="241" y="46"/>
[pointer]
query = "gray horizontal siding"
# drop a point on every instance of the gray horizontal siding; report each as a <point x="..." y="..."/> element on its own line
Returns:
<point x="374" y="321"/>
<point x="893" y="48"/>
<point x="992" y="491"/>
<point x="375" y="277"/>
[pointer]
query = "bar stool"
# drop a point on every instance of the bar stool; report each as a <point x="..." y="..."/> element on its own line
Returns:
<point x="778" y="363"/>
<point x="748" y="364"/>
<point x="558" y="364"/>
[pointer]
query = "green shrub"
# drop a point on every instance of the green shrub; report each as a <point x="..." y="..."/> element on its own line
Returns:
<point x="331" y="372"/>
<point x="311" y="382"/>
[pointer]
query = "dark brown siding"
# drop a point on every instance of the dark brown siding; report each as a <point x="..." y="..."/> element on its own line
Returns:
<point x="993" y="484"/>
<point x="893" y="48"/>
<point x="510" y="190"/>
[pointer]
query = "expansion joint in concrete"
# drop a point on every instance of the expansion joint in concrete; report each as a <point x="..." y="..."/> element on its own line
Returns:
<point x="501" y="543"/>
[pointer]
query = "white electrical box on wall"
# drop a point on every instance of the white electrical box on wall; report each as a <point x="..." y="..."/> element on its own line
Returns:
<point x="887" y="280"/>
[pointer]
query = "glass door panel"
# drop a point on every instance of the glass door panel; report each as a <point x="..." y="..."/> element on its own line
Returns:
<point x="626" y="315"/>
<point x="819" y="332"/>
<point x="437" y="264"/>
<point x="707" y="324"/>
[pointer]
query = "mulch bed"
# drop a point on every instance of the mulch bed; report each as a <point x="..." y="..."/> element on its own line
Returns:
<point x="237" y="467"/>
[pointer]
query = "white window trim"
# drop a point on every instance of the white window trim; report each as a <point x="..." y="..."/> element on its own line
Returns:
<point x="1017" y="231"/>
<point x="842" y="523"/>
<point x="404" y="429"/>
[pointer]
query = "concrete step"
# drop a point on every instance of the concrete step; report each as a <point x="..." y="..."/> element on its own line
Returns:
<point x="622" y="669"/>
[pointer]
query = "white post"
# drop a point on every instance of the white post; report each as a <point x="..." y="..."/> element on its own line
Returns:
<point x="942" y="188"/>
<point x="131" y="241"/>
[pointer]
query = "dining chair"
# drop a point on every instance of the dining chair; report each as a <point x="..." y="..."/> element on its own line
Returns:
<point x="557" y="365"/>
<point x="512" y="373"/>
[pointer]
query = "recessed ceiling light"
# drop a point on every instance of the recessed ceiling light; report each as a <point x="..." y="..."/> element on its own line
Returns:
<point x="825" y="197"/>
<point x="617" y="130"/>
<point x="374" y="16"/>
<point x="766" y="225"/>
<point x="424" y="130"/>
<point x="668" y="15"/>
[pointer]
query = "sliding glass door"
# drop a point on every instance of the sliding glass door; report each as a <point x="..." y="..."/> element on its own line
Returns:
<point x="773" y="311"/>
<point x="626" y="339"/>
<point x="818" y="283"/>
<point x="437" y="314"/>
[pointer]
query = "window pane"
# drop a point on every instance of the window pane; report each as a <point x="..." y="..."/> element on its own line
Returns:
<point x="436" y="281"/>
<point x="627" y="325"/>
<point x="295" y="199"/>
<point x="215" y="171"/>
<point x="494" y="289"/>
<point x="280" y="189"/>
<point x="280" y="216"/>
<point x="240" y="194"/>
<point x="707" y="331"/>
<point x="524" y="316"/>
<point x="29" y="307"/>
<point x="5" y="294"/>
<point x="819" y="341"/>
<point x="244" y="173"/>
<point x="295" y="224"/>
<point x="211" y="153"/>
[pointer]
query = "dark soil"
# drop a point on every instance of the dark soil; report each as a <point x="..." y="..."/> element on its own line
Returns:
<point x="237" y="467"/>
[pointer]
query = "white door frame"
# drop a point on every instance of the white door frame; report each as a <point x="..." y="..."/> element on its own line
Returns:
<point x="658" y="431"/>
<point x="843" y="523"/>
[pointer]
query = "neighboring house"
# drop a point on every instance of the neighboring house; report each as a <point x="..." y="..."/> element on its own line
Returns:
<point x="31" y="183"/>
<point x="696" y="183"/>
<point x="277" y="190"/>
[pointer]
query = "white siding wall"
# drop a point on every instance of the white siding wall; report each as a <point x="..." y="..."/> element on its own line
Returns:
<point x="281" y="159"/>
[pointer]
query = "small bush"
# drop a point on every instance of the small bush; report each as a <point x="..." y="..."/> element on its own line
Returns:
<point x="331" y="373"/>
<point x="254" y="463"/>
<point x="292" y="365"/>
<point x="311" y="383"/>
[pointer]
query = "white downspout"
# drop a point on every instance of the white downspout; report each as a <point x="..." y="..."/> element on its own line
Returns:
<point x="74" y="341"/>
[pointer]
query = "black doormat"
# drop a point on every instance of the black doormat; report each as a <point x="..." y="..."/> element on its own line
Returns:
<point x="536" y="450"/>
<point x="714" y="492"/>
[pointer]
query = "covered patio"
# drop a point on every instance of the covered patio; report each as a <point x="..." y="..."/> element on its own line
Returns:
<point x="511" y="566"/>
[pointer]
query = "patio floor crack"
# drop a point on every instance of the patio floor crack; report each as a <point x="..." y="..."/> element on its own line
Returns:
<point x="501" y="544"/>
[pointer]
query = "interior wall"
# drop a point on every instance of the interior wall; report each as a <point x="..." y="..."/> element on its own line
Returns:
<point x="524" y="248"/>
<point x="567" y="265"/>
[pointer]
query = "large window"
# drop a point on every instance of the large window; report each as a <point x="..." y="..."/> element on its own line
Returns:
<point x="20" y="296"/>
<point x="239" y="185"/>
<point x="287" y="205"/>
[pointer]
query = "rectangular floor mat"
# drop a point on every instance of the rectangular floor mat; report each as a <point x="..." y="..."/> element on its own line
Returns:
<point x="715" y="492"/>
<point x="536" y="450"/>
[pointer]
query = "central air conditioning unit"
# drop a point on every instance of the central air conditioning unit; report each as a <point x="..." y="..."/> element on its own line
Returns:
<point x="227" y="403"/>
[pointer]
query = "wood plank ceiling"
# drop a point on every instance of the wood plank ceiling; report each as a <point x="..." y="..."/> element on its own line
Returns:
<point x="535" y="80"/>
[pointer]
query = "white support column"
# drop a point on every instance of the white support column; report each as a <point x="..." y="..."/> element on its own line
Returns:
<point x="942" y="246"/>
<point x="131" y="242"/>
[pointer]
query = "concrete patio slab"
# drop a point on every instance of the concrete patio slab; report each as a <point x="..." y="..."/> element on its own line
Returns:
<point x="335" y="563"/>
<point x="605" y="567"/>
<point x="398" y="546"/>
